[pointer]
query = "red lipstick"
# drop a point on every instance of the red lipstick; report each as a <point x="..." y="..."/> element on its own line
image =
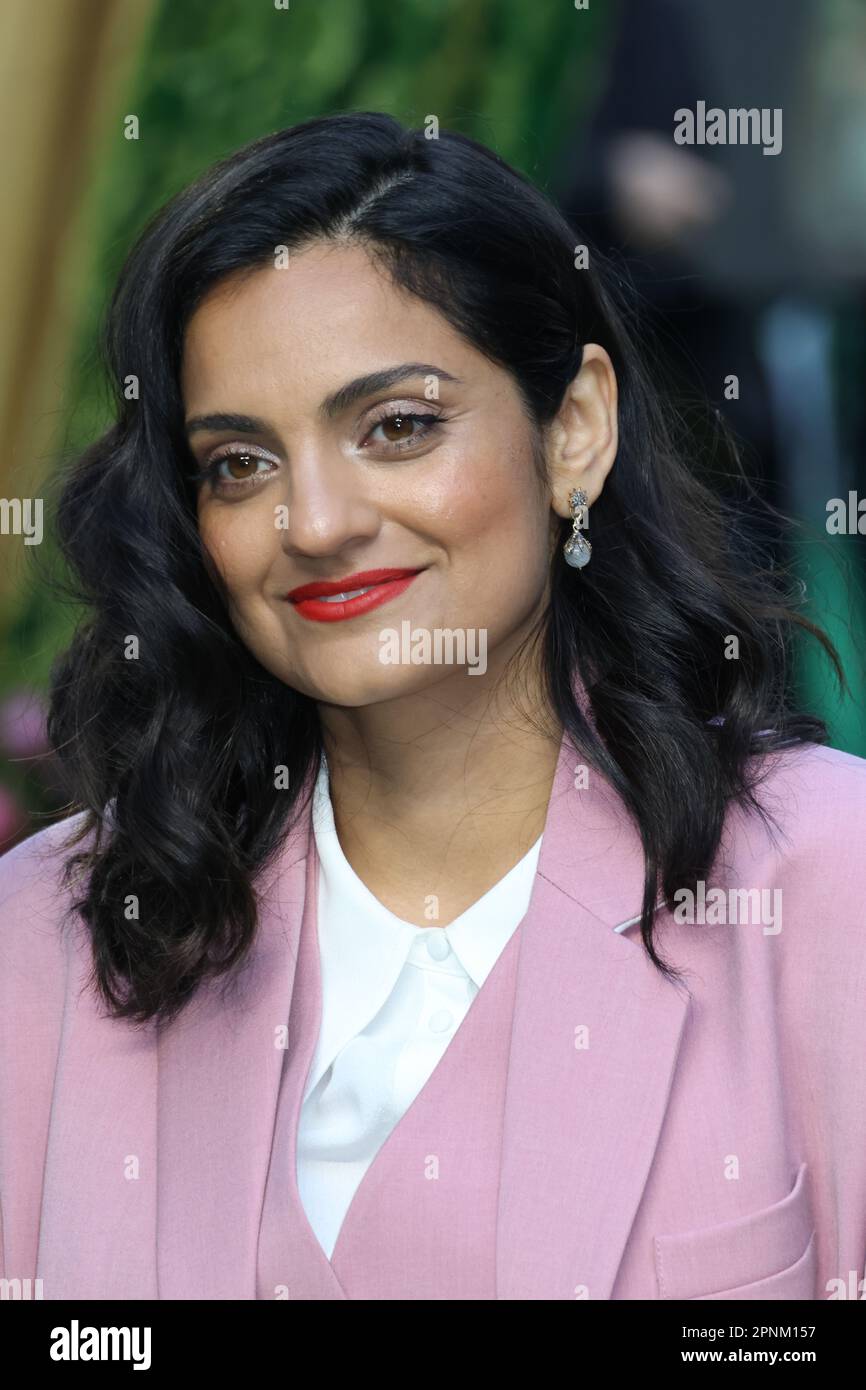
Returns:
<point x="316" y="600"/>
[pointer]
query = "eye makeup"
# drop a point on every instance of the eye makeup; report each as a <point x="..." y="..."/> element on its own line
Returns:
<point x="393" y="415"/>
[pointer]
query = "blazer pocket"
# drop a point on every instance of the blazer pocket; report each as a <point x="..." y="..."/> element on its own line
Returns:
<point x="769" y="1253"/>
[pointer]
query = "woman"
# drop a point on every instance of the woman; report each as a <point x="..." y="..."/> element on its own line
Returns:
<point x="458" y="910"/>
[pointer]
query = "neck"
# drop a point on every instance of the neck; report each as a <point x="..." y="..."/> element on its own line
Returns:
<point x="441" y="791"/>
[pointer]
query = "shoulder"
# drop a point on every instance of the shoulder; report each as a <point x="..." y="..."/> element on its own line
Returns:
<point x="816" y="794"/>
<point x="806" y="847"/>
<point x="35" y="898"/>
<point x="824" y="767"/>
<point x="39" y="860"/>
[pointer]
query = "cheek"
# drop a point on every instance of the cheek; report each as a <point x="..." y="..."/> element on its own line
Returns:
<point x="494" y="506"/>
<point x="241" y="542"/>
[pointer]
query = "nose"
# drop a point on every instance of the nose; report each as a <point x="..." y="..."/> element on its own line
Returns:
<point x="328" y="508"/>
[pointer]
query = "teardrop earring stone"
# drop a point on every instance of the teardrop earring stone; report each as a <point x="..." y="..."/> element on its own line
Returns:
<point x="577" y="551"/>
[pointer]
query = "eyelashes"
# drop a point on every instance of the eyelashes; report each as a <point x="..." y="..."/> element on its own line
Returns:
<point x="427" y="423"/>
<point x="424" y="425"/>
<point x="209" y="473"/>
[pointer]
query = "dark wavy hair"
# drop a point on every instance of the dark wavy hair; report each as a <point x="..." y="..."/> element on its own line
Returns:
<point x="172" y="756"/>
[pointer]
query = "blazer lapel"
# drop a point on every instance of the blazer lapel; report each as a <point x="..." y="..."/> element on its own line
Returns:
<point x="595" y="1040"/>
<point x="220" y="1065"/>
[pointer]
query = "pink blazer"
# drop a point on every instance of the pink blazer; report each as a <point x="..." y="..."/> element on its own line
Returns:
<point x="660" y="1141"/>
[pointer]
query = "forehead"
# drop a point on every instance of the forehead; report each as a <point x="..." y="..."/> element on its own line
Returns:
<point x="328" y="315"/>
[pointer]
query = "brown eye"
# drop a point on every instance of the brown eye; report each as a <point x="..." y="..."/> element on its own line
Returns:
<point x="243" y="471"/>
<point x="402" y="428"/>
<point x="245" y="464"/>
<point x="398" y="427"/>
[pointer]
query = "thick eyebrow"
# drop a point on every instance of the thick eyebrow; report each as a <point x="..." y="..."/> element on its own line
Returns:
<point x="332" y="405"/>
<point x="243" y="424"/>
<point x="379" y="381"/>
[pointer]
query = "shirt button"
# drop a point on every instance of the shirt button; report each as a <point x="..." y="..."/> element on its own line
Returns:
<point x="438" y="945"/>
<point x="441" y="1021"/>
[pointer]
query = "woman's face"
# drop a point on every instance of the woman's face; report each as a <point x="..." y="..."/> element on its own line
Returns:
<point x="330" y="477"/>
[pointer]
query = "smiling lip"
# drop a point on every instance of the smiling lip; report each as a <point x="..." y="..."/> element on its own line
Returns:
<point x="313" y="601"/>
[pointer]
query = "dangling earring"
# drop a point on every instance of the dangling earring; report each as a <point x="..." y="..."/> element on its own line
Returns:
<point x="577" y="548"/>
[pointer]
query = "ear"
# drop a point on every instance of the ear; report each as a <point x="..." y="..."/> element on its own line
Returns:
<point x="582" y="439"/>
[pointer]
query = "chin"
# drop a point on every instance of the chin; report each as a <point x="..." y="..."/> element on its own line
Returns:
<point x="358" y="687"/>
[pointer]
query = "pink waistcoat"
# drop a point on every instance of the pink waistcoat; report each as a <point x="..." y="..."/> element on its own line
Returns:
<point x="422" y="1223"/>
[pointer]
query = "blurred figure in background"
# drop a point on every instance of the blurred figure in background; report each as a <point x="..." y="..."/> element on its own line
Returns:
<point x="750" y="263"/>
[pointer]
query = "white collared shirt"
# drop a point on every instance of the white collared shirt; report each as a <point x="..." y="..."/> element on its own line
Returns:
<point x="393" y="996"/>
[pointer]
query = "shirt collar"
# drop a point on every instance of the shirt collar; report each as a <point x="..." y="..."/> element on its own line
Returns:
<point x="363" y="946"/>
